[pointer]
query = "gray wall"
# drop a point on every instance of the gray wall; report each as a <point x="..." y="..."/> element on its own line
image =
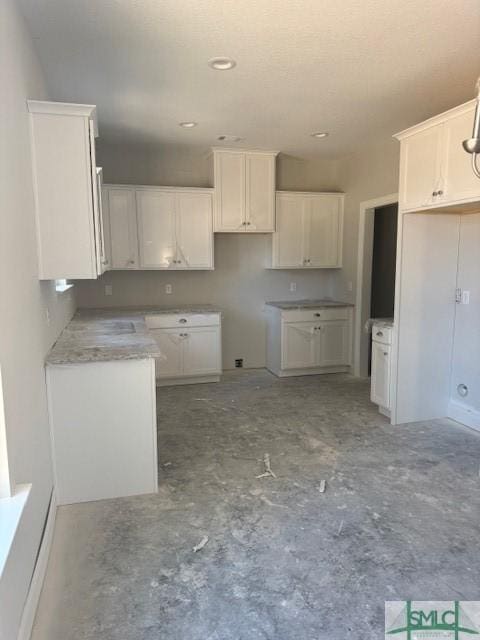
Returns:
<point x="240" y="284"/>
<point x="26" y="334"/>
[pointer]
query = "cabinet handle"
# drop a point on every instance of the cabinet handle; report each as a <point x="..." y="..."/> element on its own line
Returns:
<point x="183" y="320"/>
<point x="385" y="353"/>
<point x="131" y="262"/>
<point x="317" y="315"/>
<point x="379" y="333"/>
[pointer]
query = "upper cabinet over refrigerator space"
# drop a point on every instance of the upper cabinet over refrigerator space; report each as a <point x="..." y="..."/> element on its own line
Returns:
<point x="66" y="189"/>
<point x="244" y="190"/>
<point x="435" y="171"/>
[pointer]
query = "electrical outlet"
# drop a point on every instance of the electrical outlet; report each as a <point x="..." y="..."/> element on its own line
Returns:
<point x="168" y="288"/>
<point x="293" y="286"/>
<point x="239" y="363"/>
<point x="108" y="290"/>
<point x="465" y="297"/>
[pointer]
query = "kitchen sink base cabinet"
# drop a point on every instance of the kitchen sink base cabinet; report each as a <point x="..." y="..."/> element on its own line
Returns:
<point x="309" y="341"/>
<point x="103" y="429"/>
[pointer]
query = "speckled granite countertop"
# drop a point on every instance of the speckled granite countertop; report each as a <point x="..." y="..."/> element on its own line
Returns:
<point x="102" y="335"/>
<point x="307" y="304"/>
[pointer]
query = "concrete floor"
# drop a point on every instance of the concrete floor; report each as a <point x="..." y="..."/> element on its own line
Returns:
<point x="399" y="519"/>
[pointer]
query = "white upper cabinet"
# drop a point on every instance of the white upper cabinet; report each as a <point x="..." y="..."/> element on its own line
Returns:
<point x="160" y="227"/>
<point x="194" y="230"/>
<point x="67" y="206"/>
<point x="435" y="171"/>
<point x="244" y="191"/>
<point x="309" y="231"/>
<point x="120" y="204"/>
<point x="156" y="228"/>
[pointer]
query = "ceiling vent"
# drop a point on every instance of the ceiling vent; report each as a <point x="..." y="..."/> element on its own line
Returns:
<point x="226" y="138"/>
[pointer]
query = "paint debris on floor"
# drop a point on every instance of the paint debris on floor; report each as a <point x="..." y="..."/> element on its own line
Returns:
<point x="398" y="518"/>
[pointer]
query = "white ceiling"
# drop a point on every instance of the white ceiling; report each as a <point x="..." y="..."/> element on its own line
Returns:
<point x="360" y="69"/>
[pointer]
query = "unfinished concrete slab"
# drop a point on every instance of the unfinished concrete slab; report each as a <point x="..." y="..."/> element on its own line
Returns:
<point x="399" y="519"/>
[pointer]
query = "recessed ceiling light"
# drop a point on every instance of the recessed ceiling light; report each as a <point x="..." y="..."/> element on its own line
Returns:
<point x="222" y="63"/>
<point x="188" y="125"/>
<point x="319" y="134"/>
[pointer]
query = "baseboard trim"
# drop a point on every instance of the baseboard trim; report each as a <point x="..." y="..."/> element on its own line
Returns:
<point x="289" y="373"/>
<point x="36" y="584"/>
<point x="170" y="382"/>
<point x="465" y="415"/>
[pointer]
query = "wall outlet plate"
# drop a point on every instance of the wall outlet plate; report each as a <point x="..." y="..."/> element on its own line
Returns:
<point x="168" y="288"/>
<point x="108" y="290"/>
<point x="239" y="363"/>
<point x="293" y="286"/>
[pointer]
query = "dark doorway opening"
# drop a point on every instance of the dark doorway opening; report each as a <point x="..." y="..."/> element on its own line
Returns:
<point x="384" y="257"/>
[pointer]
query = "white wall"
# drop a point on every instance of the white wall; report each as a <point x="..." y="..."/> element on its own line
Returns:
<point x="26" y="335"/>
<point x="240" y="284"/>
<point x="368" y="174"/>
<point x="465" y="369"/>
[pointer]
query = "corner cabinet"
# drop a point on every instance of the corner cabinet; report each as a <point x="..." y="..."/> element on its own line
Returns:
<point x="244" y="191"/>
<point x="191" y="344"/>
<point x="68" y="214"/>
<point x="160" y="227"/>
<point x="435" y="171"/>
<point x="309" y="231"/>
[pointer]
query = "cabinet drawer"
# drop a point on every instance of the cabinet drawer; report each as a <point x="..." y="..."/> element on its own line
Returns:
<point x="382" y="334"/>
<point x="170" y="321"/>
<point x="312" y="315"/>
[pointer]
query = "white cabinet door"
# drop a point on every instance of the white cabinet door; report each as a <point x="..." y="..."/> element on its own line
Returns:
<point x="229" y="191"/>
<point x="300" y="345"/>
<point x="323" y="231"/>
<point x="123" y="228"/>
<point x="288" y="240"/>
<point x="194" y="231"/>
<point x="201" y="351"/>
<point x="260" y="192"/>
<point x="459" y="181"/>
<point x="380" y="379"/>
<point x="170" y="342"/>
<point x="420" y="160"/>
<point x="156" y="228"/>
<point x="334" y="343"/>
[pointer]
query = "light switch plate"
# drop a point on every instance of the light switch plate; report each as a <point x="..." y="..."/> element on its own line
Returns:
<point x="168" y="288"/>
<point x="293" y="286"/>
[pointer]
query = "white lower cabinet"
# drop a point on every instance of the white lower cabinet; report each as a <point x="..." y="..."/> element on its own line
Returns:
<point x="380" y="380"/>
<point x="191" y="346"/>
<point x="381" y="374"/>
<point x="310" y="341"/>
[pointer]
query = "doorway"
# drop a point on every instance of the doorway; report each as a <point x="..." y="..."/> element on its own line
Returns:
<point x="363" y="306"/>
<point x="384" y="257"/>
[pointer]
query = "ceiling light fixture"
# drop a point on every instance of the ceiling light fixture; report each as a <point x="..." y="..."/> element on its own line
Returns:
<point x="188" y="125"/>
<point x="319" y="134"/>
<point x="222" y="63"/>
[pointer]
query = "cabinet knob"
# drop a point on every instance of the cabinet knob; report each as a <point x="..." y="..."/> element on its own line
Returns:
<point x="183" y="320"/>
<point x="434" y="193"/>
<point x="249" y="223"/>
<point x="385" y="353"/>
<point x="131" y="262"/>
<point x="380" y="333"/>
<point x="440" y="193"/>
<point x="318" y="315"/>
